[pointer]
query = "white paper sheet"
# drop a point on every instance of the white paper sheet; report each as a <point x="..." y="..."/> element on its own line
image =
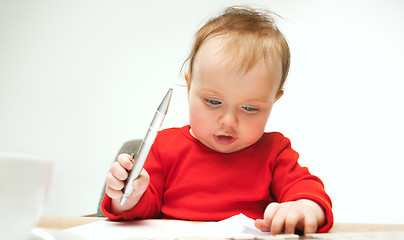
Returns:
<point x="236" y="226"/>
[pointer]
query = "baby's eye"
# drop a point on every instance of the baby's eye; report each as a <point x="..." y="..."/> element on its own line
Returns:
<point x="213" y="102"/>
<point x="250" y="109"/>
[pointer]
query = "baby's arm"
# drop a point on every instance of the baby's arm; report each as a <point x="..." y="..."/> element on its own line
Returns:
<point x="115" y="182"/>
<point x="303" y="214"/>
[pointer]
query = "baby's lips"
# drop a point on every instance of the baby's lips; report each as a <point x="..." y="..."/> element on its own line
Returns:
<point x="224" y="139"/>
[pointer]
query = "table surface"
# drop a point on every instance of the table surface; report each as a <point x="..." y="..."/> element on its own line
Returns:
<point x="64" y="222"/>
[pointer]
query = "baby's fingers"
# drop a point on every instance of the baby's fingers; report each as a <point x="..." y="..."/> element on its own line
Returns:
<point x="119" y="172"/>
<point x="278" y="222"/>
<point x="125" y="160"/>
<point x="293" y="220"/>
<point x="120" y="168"/>
<point x="310" y="225"/>
<point x="114" y="186"/>
<point x="265" y="224"/>
<point x="112" y="193"/>
<point x="113" y="182"/>
<point x="260" y="224"/>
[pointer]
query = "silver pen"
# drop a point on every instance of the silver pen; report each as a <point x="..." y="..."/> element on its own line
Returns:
<point x="143" y="152"/>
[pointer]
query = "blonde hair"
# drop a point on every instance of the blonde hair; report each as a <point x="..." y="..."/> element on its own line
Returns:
<point x="254" y="36"/>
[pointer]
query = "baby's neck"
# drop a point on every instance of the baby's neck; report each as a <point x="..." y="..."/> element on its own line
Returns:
<point x="192" y="133"/>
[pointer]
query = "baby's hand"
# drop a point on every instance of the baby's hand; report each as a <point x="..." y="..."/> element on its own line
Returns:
<point x="115" y="181"/>
<point x="304" y="215"/>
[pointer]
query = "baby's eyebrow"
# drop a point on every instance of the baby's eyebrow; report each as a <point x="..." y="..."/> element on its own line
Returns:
<point x="211" y="91"/>
<point x="257" y="100"/>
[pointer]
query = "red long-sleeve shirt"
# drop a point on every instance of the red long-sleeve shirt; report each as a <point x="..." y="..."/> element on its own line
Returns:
<point x="192" y="182"/>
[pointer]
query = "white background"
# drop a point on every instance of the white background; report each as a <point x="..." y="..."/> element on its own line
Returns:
<point x="79" y="78"/>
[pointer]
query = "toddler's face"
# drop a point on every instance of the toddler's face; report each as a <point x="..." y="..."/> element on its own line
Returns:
<point x="229" y="108"/>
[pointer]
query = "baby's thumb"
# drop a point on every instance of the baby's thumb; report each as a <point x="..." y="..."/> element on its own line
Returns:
<point x="142" y="182"/>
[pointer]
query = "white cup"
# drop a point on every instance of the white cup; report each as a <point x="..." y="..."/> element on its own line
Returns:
<point x="24" y="183"/>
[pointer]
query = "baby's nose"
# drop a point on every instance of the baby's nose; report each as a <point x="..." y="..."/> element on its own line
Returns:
<point x="229" y="119"/>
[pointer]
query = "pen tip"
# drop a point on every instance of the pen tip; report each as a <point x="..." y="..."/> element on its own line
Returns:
<point x="166" y="101"/>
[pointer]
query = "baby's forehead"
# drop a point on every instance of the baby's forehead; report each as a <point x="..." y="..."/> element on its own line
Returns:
<point x="240" y="52"/>
<point x="216" y="59"/>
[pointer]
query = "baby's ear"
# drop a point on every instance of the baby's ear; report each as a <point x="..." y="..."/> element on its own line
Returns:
<point x="188" y="80"/>
<point x="279" y="95"/>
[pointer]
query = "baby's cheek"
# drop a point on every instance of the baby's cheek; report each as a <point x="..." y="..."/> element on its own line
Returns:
<point x="251" y="135"/>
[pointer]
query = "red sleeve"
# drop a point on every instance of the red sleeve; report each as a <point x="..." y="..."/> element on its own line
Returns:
<point x="106" y="208"/>
<point x="142" y="210"/>
<point x="292" y="182"/>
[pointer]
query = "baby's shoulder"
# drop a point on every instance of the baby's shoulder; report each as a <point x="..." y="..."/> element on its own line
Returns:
<point x="172" y="137"/>
<point x="273" y="136"/>
<point x="275" y="140"/>
<point x="171" y="132"/>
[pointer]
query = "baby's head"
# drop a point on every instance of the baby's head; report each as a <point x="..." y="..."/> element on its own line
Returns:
<point x="252" y="36"/>
<point x="236" y="71"/>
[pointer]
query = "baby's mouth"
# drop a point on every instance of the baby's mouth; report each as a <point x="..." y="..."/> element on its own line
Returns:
<point x="224" y="139"/>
